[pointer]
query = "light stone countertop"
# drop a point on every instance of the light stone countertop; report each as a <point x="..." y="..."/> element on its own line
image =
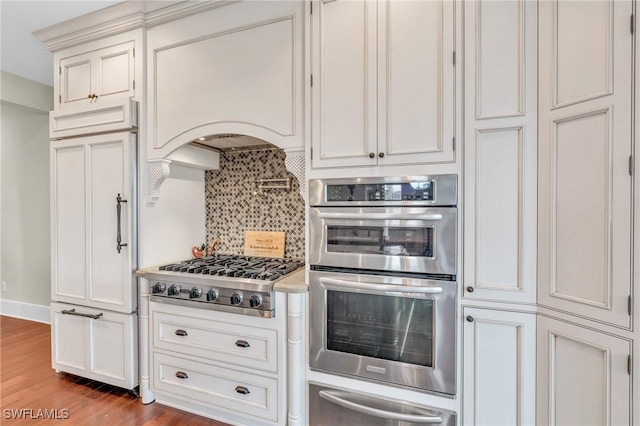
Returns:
<point x="293" y="283"/>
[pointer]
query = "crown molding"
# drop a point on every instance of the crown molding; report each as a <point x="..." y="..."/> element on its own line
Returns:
<point x="119" y="18"/>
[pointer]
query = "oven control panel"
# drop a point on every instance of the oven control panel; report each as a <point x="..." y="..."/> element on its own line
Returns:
<point x="426" y="190"/>
<point x="406" y="191"/>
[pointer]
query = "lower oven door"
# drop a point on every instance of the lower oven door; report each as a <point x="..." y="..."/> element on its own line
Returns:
<point x="395" y="330"/>
<point x="333" y="407"/>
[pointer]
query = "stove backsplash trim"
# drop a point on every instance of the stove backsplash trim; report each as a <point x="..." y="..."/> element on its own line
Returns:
<point x="234" y="204"/>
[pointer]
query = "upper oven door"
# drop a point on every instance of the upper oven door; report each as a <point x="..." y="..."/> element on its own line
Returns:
<point x="405" y="239"/>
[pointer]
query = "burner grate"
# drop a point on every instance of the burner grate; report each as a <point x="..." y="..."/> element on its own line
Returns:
<point x="260" y="268"/>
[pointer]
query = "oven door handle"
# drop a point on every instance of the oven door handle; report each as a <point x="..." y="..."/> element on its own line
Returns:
<point x="379" y="288"/>
<point x="381" y="216"/>
<point x="376" y="412"/>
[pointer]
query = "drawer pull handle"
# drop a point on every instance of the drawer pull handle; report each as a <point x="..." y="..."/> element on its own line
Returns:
<point x="181" y="375"/>
<point x="181" y="333"/>
<point x="242" y="343"/>
<point x="242" y="390"/>
<point x="73" y="312"/>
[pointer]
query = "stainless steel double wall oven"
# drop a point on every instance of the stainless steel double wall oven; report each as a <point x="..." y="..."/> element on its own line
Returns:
<point x="383" y="279"/>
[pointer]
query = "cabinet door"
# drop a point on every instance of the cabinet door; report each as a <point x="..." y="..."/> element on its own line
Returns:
<point x="114" y="71"/>
<point x="583" y="376"/>
<point x="109" y="163"/>
<point x="106" y="72"/>
<point x="499" y="377"/>
<point x="75" y="75"/>
<point x="68" y="221"/>
<point x="95" y="344"/>
<point x="500" y="165"/>
<point x="585" y="142"/>
<point x="343" y="95"/>
<point x="416" y="75"/>
<point x="87" y="174"/>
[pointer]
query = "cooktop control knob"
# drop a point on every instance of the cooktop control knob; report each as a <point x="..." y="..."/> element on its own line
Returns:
<point x="174" y="290"/>
<point x="212" y="295"/>
<point x="158" y="288"/>
<point x="236" y="298"/>
<point x="255" y="301"/>
<point x="195" y="293"/>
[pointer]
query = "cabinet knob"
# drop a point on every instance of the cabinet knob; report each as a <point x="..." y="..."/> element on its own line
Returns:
<point x="90" y="96"/>
<point x="372" y="155"/>
<point x="181" y="375"/>
<point x="181" y="333"/>
<point x="469" y="318"/>
<point x="242" y="344"/>
<point x="470" y="289"/>
<point x="381" y="154"/>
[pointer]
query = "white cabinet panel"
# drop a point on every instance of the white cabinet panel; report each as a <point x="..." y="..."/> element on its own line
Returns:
<point x="344" y="37"/>
<point x="584" y="210"/>
<point x="96" y="344"/>
<point x="500" y="151"/>
<point x="583" y="46"/>
<point x="115" y="70"/>
<point x="499" y="163"/>
<point x="500" y="57"/>
<point x="582" y="376"/>
<point x="106" y="159"/>
<point x="68" y="224"/>
<point x="68" y="341"/>
<point x="75" y="83"/>
<point x="87" y="174"/>
<point x="581" y="211"/>
<point x="499" y="368"/>
<point x="415" y="81"/>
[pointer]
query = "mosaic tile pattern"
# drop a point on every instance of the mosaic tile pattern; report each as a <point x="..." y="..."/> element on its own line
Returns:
<point x="233" y="205"/>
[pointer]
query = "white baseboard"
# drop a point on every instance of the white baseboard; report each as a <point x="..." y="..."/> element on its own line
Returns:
<point x="27" y="311"/>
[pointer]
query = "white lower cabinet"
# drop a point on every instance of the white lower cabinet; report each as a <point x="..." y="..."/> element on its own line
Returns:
<point x="225" y="366"/>
<point x="583" y="376"/>
<point x="95" y="343"/>
<point x="499" y="377"/>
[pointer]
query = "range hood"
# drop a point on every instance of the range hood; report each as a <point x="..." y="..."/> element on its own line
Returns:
<point x="229" y="141"/>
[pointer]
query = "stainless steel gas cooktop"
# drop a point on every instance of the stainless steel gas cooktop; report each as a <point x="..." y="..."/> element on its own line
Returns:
<point x="230" y="283"/>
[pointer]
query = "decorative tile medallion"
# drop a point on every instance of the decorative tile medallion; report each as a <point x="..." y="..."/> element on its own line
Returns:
<point x="234" y="204"/>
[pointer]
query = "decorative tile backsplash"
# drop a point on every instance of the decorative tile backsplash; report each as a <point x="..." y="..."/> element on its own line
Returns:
<point x="234" y="204"/>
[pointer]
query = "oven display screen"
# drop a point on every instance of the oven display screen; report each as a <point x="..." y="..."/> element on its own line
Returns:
<point x="408" y="191"/>
<point x="385" y="327"/>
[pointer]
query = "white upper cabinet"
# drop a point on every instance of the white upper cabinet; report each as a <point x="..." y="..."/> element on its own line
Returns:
<point x="87" y="175"/>
<point x="237" y="68"/>
<point x="383" y="82"/>
<point x="585" y="142"/>
<point x="500" y="150"/>
<point x="96" y="71"/>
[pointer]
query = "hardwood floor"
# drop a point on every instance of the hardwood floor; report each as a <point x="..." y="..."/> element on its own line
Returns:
<point x="27" y="382"/>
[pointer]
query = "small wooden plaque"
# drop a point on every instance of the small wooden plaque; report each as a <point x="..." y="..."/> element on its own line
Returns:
<point x="263" y="243"/>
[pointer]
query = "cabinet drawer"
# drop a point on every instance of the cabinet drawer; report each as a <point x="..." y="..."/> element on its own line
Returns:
<point x="220" y="386"/>
<point x="95" y="343"/>
<point x="233" y="343"/>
